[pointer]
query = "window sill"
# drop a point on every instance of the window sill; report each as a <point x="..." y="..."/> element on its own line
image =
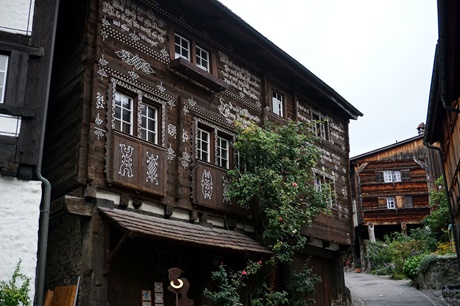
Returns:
<point x="197" y="74"/>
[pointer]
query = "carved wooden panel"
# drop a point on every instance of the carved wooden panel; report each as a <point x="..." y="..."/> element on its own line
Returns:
<point x="209" y="184"/>
<point x="138" y="165"/>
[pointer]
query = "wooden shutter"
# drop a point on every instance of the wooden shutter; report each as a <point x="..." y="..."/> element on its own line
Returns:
<point x="382" y="202"/>
<point x="400" y="201"/>
<point x="409" y="202"/>
<point x="405" y="174"/>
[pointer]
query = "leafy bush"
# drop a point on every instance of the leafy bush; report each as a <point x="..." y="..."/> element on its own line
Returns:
<point x="426" y="262"/>
<point x="411" y="266"/>
<point x="11" y="293"/>
<point x="445" y="248"/>
<point x="302" y="287"/>
<point x="439" y="218"/>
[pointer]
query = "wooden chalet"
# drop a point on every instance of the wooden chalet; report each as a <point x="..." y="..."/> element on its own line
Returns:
<point x="139" y="140"/>
<point x="442" y="123"/>
<point x="391" y="188"/>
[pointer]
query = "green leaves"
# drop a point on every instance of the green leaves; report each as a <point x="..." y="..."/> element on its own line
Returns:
<point x="275" y="182"/>
<point x="12" y="293"/>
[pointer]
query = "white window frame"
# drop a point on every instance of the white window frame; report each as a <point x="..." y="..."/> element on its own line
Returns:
<point x="179" y="42"/>
<point x="391" y="176"/>
<point x="121" y="121"/>
<point x="277" y="103"/>
<point x="148" y="124"/>
<point x="223" y="152"/>
<point x="203" y="146"/>
<point x="320" y="128"/>
<point x="391" y="203"/>
<point x="320" y="179"/>
<point x="202" y="58"/>
<point x="4" y="71"/>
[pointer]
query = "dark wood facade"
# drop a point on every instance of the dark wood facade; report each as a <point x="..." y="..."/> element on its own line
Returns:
<point x="23" y="95"/>
<point x="391" y="188"/>
<point x="134" y="128"/>
<point x="443" y="128"/>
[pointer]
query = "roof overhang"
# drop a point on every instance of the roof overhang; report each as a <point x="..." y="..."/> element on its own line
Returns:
<point x="136" y="224"/>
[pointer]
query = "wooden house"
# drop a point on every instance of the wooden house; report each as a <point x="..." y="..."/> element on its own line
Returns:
<point x="139" y="140"/>
<point x="26" y="44"/>
<point x="391" y="188"/>
<point x="442" y="123"/>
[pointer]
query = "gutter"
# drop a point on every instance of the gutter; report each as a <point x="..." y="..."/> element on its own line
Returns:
<point x="46" y="185"/>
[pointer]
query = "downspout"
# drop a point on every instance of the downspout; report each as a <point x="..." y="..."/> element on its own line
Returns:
<point x="46" y="185"/>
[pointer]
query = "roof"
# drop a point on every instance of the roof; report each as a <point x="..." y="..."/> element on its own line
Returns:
<point x="217" y="17"/>
<point x="392" y="146"/>
<point x="136" y="224"/>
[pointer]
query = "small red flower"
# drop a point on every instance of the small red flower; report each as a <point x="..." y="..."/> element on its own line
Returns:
<point x="281" y="219"/>
<point x="244" y="272"/>
<point x="260" y="262"/>
<point x="294" y="184"/>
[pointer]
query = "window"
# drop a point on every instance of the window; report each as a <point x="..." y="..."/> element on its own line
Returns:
<point x="125" y="117"/>
<point x="320" y="128"/>
<point x="10" y="125"/>
<point x="213" y="145"/>
<point x="391" y="176"/>
<point x="182" y="47"/>
<point x="277" y="103"/>
<point x="326" y="184"/>
<point x="223" y="157"/>
<point x="192" y="52"/>
<point x="3" y="74"/>
<point x="391" y="203"/>
<point x="202" y="58"/>
<point x="203" y="145"/>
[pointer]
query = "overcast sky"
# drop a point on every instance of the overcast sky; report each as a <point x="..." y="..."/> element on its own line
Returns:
<point x="377" y="54"/>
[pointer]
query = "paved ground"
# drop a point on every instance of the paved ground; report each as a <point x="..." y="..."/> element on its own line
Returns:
<point x="375" y="290"/>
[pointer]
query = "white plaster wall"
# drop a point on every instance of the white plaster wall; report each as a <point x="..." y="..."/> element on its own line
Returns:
<point x="16" y="16"/>
<point x="19" y="218"/>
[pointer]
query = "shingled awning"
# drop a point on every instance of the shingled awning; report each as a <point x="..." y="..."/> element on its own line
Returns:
<point x="138" y="224"/>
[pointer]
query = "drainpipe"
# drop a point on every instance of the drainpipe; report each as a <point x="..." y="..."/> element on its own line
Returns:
<point x="46" y="185"/>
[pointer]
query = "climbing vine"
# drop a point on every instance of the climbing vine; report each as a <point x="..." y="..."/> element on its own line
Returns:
<point x="274" y="181"/>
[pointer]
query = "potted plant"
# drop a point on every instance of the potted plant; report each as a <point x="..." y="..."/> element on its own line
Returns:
<point x="358" y="265"/>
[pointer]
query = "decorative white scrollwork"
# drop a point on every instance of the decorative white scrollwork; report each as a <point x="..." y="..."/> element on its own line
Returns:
<point x="225" y="183"/>
<point x="135" y="61"/>
<point x="152" y="168"/>
<point x="126" y="160"/>
<point x="206" y="184"/>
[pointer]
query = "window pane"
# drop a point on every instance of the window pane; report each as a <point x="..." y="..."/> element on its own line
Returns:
<point x="182" y="47"/>
<point x="10" y="125"/>
<point x="222" y="152"/>
<point x="277" y="103"/>
<point x="3" y="74"/>
<point x="202" y="58"/>
<point x="203" y="145"/>
<point x="149" y="123"/>
<point x="123" y="112"/>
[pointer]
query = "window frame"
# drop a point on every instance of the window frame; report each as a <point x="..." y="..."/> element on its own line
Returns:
<point x="321" y="128"/>
<point x="279" y="103"/>
<point x="392" y="176"/>
<point x="193" y="53"/>
<point x="391" y="202"/>
<point x="215" y="135"/>
<point x="138" y="105"/>
<point x="320" y="179"/>
<point x="189" y="48"/>
<point x="4" y="81"/>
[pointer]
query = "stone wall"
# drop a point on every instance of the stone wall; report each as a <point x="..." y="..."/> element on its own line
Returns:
<point x="20" y="211"/>
<point x="64" y="251"/>
<point x="442" y="271"/>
